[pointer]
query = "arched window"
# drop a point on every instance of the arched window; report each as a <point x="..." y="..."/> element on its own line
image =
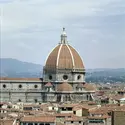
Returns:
<point x="50" y="77"/>
<point x="79" y="77"/>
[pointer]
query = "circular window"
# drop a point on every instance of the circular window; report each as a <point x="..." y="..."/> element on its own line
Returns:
<point x="50" y="77"/>
<point x="78" y="77"/>
<point x="35" y="86"/>
<point x="65" y="77"/>
<point x="4" y="86"/>
<point x="20" y="86"/>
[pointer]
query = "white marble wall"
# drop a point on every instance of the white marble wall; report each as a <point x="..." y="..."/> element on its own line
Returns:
<point x="10" y="91"/>
<point x="15" y="85"/>
<point x="58" y="76"/>
<point x="28" y="92"/>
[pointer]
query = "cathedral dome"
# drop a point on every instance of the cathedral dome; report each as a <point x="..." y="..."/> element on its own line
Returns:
<point x="64" y="87"/>
<point x="63" y="56"/>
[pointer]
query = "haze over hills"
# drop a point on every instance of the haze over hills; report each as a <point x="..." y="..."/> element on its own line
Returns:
<point x="14" y="68"/>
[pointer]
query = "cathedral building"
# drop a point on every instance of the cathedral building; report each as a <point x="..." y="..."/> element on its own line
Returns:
<point x="63" y="79"/>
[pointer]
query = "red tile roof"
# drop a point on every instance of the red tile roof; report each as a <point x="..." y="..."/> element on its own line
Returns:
<point x="6" y="122"/>
<point x="63" y="114"/>
<point x="38" y="119"/>
<point x="21" y="79"/>
<point x="64" y="87"/>
<point x="65" y="60"/>
<point x="69" y="105"/>
<point x="74" y="118"/>
<point x="49" y="84"/>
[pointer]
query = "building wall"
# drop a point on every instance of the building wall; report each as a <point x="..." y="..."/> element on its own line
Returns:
<point x="118" y="118"/>
<point x="79" y="97"/>
<point x="15" y="91"/>
<point x="5" y="97"/>
<point x="74" y="123"/>
<point x="66" y="112"/>
<point x="20" y="85"/>
<point x="34" y="123"/>
<point x="79" y="112"/>
<point x="85" y="112"/>
<point x="16" y="97"/>
<point x="24" y="91"/>
<point x="58" y="75"/>
<point x="46" y="77"/>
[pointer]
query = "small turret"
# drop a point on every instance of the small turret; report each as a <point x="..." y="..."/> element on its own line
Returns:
<point x="64" y="37"/>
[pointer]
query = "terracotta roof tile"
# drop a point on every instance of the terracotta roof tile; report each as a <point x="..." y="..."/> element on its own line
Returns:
<point x="77" y="58"/>
<point x="21" y="79"/>
<point x="69" y="105"/>
<point x="64" y="87"/>
<point x="90" y="87"/>
<point x="52" y="58"/>
<point x="76" y="108"/>
<point x="90" y="107"/>
<point x="74" y="118"/>
<point x="49" y="84"/>
<point x="38" y="119"/>
<point x="63" y="114"/>
<point x="6" y="122"/>
<point x="65" y="58"/>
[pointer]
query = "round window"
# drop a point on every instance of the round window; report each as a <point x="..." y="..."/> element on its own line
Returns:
<point x="35" y="86"/>
<point x="78" y="77"/>
<point x="4" y="86"/>
<point x="65" y="77"/>
<point x="20" y="86"/>
<point x="50" y="77"/>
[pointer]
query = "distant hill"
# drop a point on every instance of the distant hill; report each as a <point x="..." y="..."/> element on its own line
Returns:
<point x="15" y="68"/>
<point x="106" y="75"/>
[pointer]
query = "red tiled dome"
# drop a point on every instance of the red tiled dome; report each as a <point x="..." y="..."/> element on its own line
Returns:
<point x="64" y="87"/>
<point x="90" y="87"/>
<point x="64" y="57"/>
<point x="49" y="84"/>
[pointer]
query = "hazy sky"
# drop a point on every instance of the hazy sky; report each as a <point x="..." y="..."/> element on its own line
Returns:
<point x="95" y="28"/>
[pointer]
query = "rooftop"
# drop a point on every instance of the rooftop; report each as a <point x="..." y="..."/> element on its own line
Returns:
<point x="38" y="119"/>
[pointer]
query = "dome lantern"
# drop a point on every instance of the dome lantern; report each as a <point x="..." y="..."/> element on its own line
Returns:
<point x="64" y="37"/>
